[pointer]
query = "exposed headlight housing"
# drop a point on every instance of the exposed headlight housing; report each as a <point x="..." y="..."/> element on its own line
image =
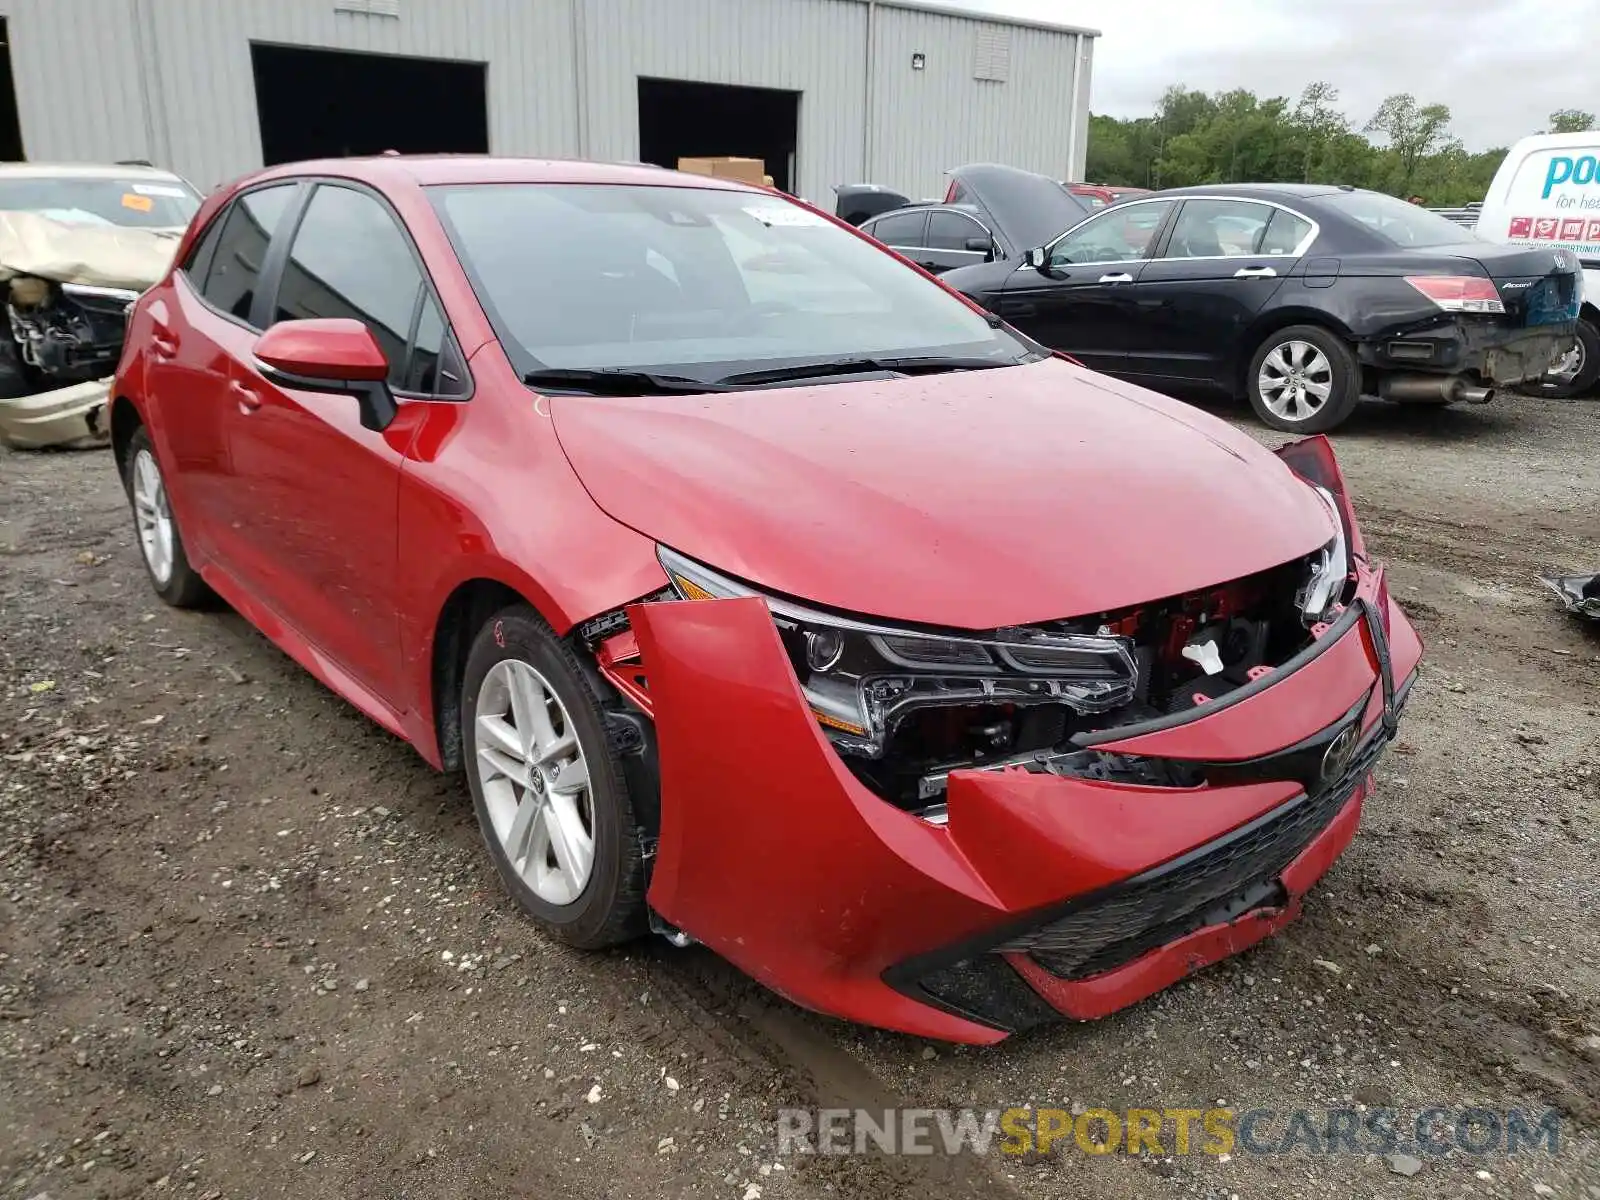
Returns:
<point x="862" y="678"/>
<point x="1330" y="569"/>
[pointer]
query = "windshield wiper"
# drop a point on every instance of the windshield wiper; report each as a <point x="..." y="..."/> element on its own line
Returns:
<point x="919" y="365"/>
<point x="618" y="382"/>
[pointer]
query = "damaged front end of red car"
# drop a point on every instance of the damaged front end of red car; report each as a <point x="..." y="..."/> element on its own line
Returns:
<point x="962" y="835"/>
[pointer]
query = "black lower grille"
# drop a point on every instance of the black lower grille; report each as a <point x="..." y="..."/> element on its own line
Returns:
<point x="1219" y="882"/>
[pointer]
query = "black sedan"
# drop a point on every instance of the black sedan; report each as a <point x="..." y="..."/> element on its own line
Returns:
<point x="937" y="237"/>
<point x="991" y="213"/>
<point x="1300" y="298"/>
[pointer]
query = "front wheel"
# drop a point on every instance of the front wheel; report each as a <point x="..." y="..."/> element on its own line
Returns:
<point x="549" y="791"/>
<point x="1303" y="379"/>
<point x="1577" y="372"/>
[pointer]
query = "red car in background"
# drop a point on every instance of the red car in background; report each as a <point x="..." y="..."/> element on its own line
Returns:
<point x="768" y="594"/>
<point x="1100" y="195"/>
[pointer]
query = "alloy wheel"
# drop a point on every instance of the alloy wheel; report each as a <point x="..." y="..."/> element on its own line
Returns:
<point x="152" y="516"/>
<point x="1295" y="380"/>
<point x="535" y="781"/>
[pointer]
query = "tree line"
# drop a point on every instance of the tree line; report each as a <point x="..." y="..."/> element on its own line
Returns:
<point x="1405" y="148"/>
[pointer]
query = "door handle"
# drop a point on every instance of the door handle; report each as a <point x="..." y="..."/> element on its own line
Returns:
<point x="249" y="399"/>
<point x="162" y="342"/>
<point x="1255" y="273"/>
<point x="1121" y="277"/>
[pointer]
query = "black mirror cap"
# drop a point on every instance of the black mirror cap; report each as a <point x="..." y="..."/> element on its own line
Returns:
<point x="373" y="398"/>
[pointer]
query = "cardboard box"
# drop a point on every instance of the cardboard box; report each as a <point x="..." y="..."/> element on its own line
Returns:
<point x="745" y="170"/>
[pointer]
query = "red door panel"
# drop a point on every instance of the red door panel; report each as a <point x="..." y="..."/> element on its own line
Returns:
<point x="186" y="375"/>
<point x="318" y="509"/>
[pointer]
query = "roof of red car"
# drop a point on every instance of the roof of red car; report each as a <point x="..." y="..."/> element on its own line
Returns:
<point x="426" y="169"/>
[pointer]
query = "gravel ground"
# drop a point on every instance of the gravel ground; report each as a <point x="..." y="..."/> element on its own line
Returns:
<point x="249" y="944"/>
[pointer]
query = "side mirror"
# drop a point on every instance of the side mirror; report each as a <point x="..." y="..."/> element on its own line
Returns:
<point x="983" y="246"/>
<point x="1037" y="258"/>
<point x="330" y="354"/>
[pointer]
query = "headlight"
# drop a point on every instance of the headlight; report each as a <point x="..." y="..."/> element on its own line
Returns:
<point x="862" y="678"/>
<point x="1330" y="570"/>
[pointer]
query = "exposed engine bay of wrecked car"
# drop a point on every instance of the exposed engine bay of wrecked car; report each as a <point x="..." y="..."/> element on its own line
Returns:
<point x="67" y="287"/>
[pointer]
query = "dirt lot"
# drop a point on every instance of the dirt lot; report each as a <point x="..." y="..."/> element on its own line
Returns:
<point x="249" y="945"/>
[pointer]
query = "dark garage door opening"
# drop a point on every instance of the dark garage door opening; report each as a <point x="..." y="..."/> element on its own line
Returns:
<point x="10" y="127"/>
<point x="333" y="104"/>
<point x="707" y="120"/>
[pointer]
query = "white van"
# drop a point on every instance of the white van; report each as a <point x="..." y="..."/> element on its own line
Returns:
<point x="1547" y="194"/>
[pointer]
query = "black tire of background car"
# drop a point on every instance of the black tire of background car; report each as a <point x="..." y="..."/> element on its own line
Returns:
<point x="14" y="381"/>
<point x="1342" y="399"/>
<point x="1581" y="383"/>
<point x="184" y="587"/>
<point x="611" y="908"/>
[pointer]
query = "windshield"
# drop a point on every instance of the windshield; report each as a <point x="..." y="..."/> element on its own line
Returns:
<point x="697" y="282"/>
<point x="1397" y="221"/>
<point x="136" y="203"/>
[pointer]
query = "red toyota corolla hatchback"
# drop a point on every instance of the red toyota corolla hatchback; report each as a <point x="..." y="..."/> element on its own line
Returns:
<point x="769" y="595"/>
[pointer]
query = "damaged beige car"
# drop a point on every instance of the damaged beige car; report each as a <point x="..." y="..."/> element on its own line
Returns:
<point x="77" y="245"/>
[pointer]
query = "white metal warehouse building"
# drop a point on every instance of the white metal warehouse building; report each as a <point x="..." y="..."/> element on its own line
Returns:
<point x="825" y="91"/>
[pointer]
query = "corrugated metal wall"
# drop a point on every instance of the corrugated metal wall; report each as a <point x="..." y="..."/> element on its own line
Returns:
<point x="196" y="109"/>
<point x="208" y="92"/>
<point x="172" y="81"/>
<point x="926" y="121"/>
<point x="75" y="66"/>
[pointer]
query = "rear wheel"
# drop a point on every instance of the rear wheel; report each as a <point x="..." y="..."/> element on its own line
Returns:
<point x="549" y="791"/>
<point x="160" y="542"/>
<point x="1577" y="373"/>
<point x="1303" y="379"/>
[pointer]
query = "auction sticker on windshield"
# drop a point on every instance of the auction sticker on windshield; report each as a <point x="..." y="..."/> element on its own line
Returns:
<point x="792" y="215"/>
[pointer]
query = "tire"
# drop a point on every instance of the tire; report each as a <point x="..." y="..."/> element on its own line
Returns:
<point x="1323" y="360"/>
<point x="1584" y="375"/>
<point x="156" y="528"/>
<point x="534" y="849"/>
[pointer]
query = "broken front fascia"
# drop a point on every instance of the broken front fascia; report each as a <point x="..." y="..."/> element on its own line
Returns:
<point x="865" y="677"/>
<point x="754" y="799"/>
<point x="908" y="706"/>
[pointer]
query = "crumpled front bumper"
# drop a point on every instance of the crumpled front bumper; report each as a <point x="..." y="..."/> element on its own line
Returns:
<point x="1042" y="896"/>
<point x="65" y="416"/>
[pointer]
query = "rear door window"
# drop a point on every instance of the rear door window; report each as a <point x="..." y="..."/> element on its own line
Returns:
<point x="1217" y="229"/>
<point x="906" y="229"/>
<point x="240" y="250"/>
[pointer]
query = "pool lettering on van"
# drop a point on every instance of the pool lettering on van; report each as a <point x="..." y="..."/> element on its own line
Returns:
<point x="1566" y="169"/>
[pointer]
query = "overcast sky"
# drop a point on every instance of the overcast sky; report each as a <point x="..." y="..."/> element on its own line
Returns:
<point x="1501" y="65"/>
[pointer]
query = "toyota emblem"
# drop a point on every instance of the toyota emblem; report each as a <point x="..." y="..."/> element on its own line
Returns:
<point x="1336" y="758"/>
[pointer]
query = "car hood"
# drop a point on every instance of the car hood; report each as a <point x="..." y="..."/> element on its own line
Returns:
<point x="969" y="500"/>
